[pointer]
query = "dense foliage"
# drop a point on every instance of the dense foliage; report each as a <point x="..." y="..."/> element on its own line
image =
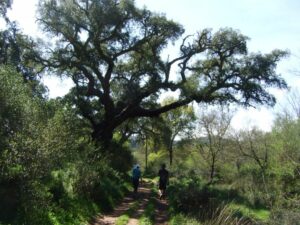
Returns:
<point x="255" y="174"/>
<point x="54" y="167"/>
<point x="49" y="169"/>
<point x="112" y="50"/>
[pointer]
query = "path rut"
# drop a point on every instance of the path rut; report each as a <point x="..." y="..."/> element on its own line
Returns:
<point x="141" y="199"/>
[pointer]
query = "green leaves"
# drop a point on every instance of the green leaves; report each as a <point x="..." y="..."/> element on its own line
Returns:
<point x="14" y="97"/>
<point x="228" y="42"/>
<point x="113" y="52"/>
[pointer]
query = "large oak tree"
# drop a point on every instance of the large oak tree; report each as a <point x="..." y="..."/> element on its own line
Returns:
<point x="113" y="52"/>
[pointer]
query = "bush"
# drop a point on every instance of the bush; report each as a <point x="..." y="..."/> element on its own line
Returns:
<point x="286" y="217"/>
<point x="180" y="219"/>
<point x="188" y="196"/>
<point x="207" y="204"/>
<point x="10" y="199"/>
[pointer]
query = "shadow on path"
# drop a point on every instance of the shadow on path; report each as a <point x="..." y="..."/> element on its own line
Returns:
<point x="161" y="212"/>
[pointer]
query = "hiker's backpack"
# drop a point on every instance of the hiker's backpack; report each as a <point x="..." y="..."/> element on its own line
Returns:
<point x="163" y="175"/>
<point x="136" y="173"/>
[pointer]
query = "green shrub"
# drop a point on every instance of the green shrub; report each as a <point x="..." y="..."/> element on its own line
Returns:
<point x="122" y="220"/>
<point x="180" y="219"/>
<point x="205" y="203"/>
<point x="10" y="199"/>
<point x="285" y="217"/>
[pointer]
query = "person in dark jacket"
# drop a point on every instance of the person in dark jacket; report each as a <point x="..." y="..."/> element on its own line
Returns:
<point x="163" y="181"/>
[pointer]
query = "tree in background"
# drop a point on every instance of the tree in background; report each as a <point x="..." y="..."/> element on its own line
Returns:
<point x="291" y="109"/>
<point x="253" y="144"/>
<point x="175" y="123"/>
<point x="112" y="50"/>
<point x="17" y="51"/>
<point x="148" y="136"/>
<point x="4" y="5"/>
<point x="214" y="126"/>
<point x="286" y="133"/>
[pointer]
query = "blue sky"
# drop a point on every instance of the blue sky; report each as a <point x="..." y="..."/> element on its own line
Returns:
<point x="269" y="24"/>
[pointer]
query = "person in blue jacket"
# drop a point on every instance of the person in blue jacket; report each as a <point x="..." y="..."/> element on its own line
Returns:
<point x="136" y="175"/>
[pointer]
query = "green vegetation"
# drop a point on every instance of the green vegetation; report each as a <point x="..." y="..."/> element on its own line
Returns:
<point x="49" y="173"/>
<point x="65" y="160"/>
<point x="255" y="177"/>
<point x="119" y="71"/>
<point x="180" y="219"/>
<point x="122" y="220"/>
<point x="255" y="213"/>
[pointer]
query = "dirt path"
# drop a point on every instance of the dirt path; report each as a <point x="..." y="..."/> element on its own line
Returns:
<point x="161" y="212"/>
<point x="137" y="202"/>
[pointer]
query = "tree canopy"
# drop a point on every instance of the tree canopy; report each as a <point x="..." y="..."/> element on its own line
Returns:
<point x="112" y="50"/>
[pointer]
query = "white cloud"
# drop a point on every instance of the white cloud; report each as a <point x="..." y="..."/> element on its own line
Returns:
<point x="57" y="86"/>
<point x="245" y="119"/>
<point x="23" y="11"/>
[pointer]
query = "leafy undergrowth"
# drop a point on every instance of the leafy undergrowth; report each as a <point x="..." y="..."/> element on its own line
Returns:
<point x="221" y="216"/>
<point x="73" y="211"/>
<point x="193" y="202"/>
<point x="72" y="207"/>
<point x="180" y="219"/>
<point x="122" y="220"/>
<point x="259" y="214"/>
